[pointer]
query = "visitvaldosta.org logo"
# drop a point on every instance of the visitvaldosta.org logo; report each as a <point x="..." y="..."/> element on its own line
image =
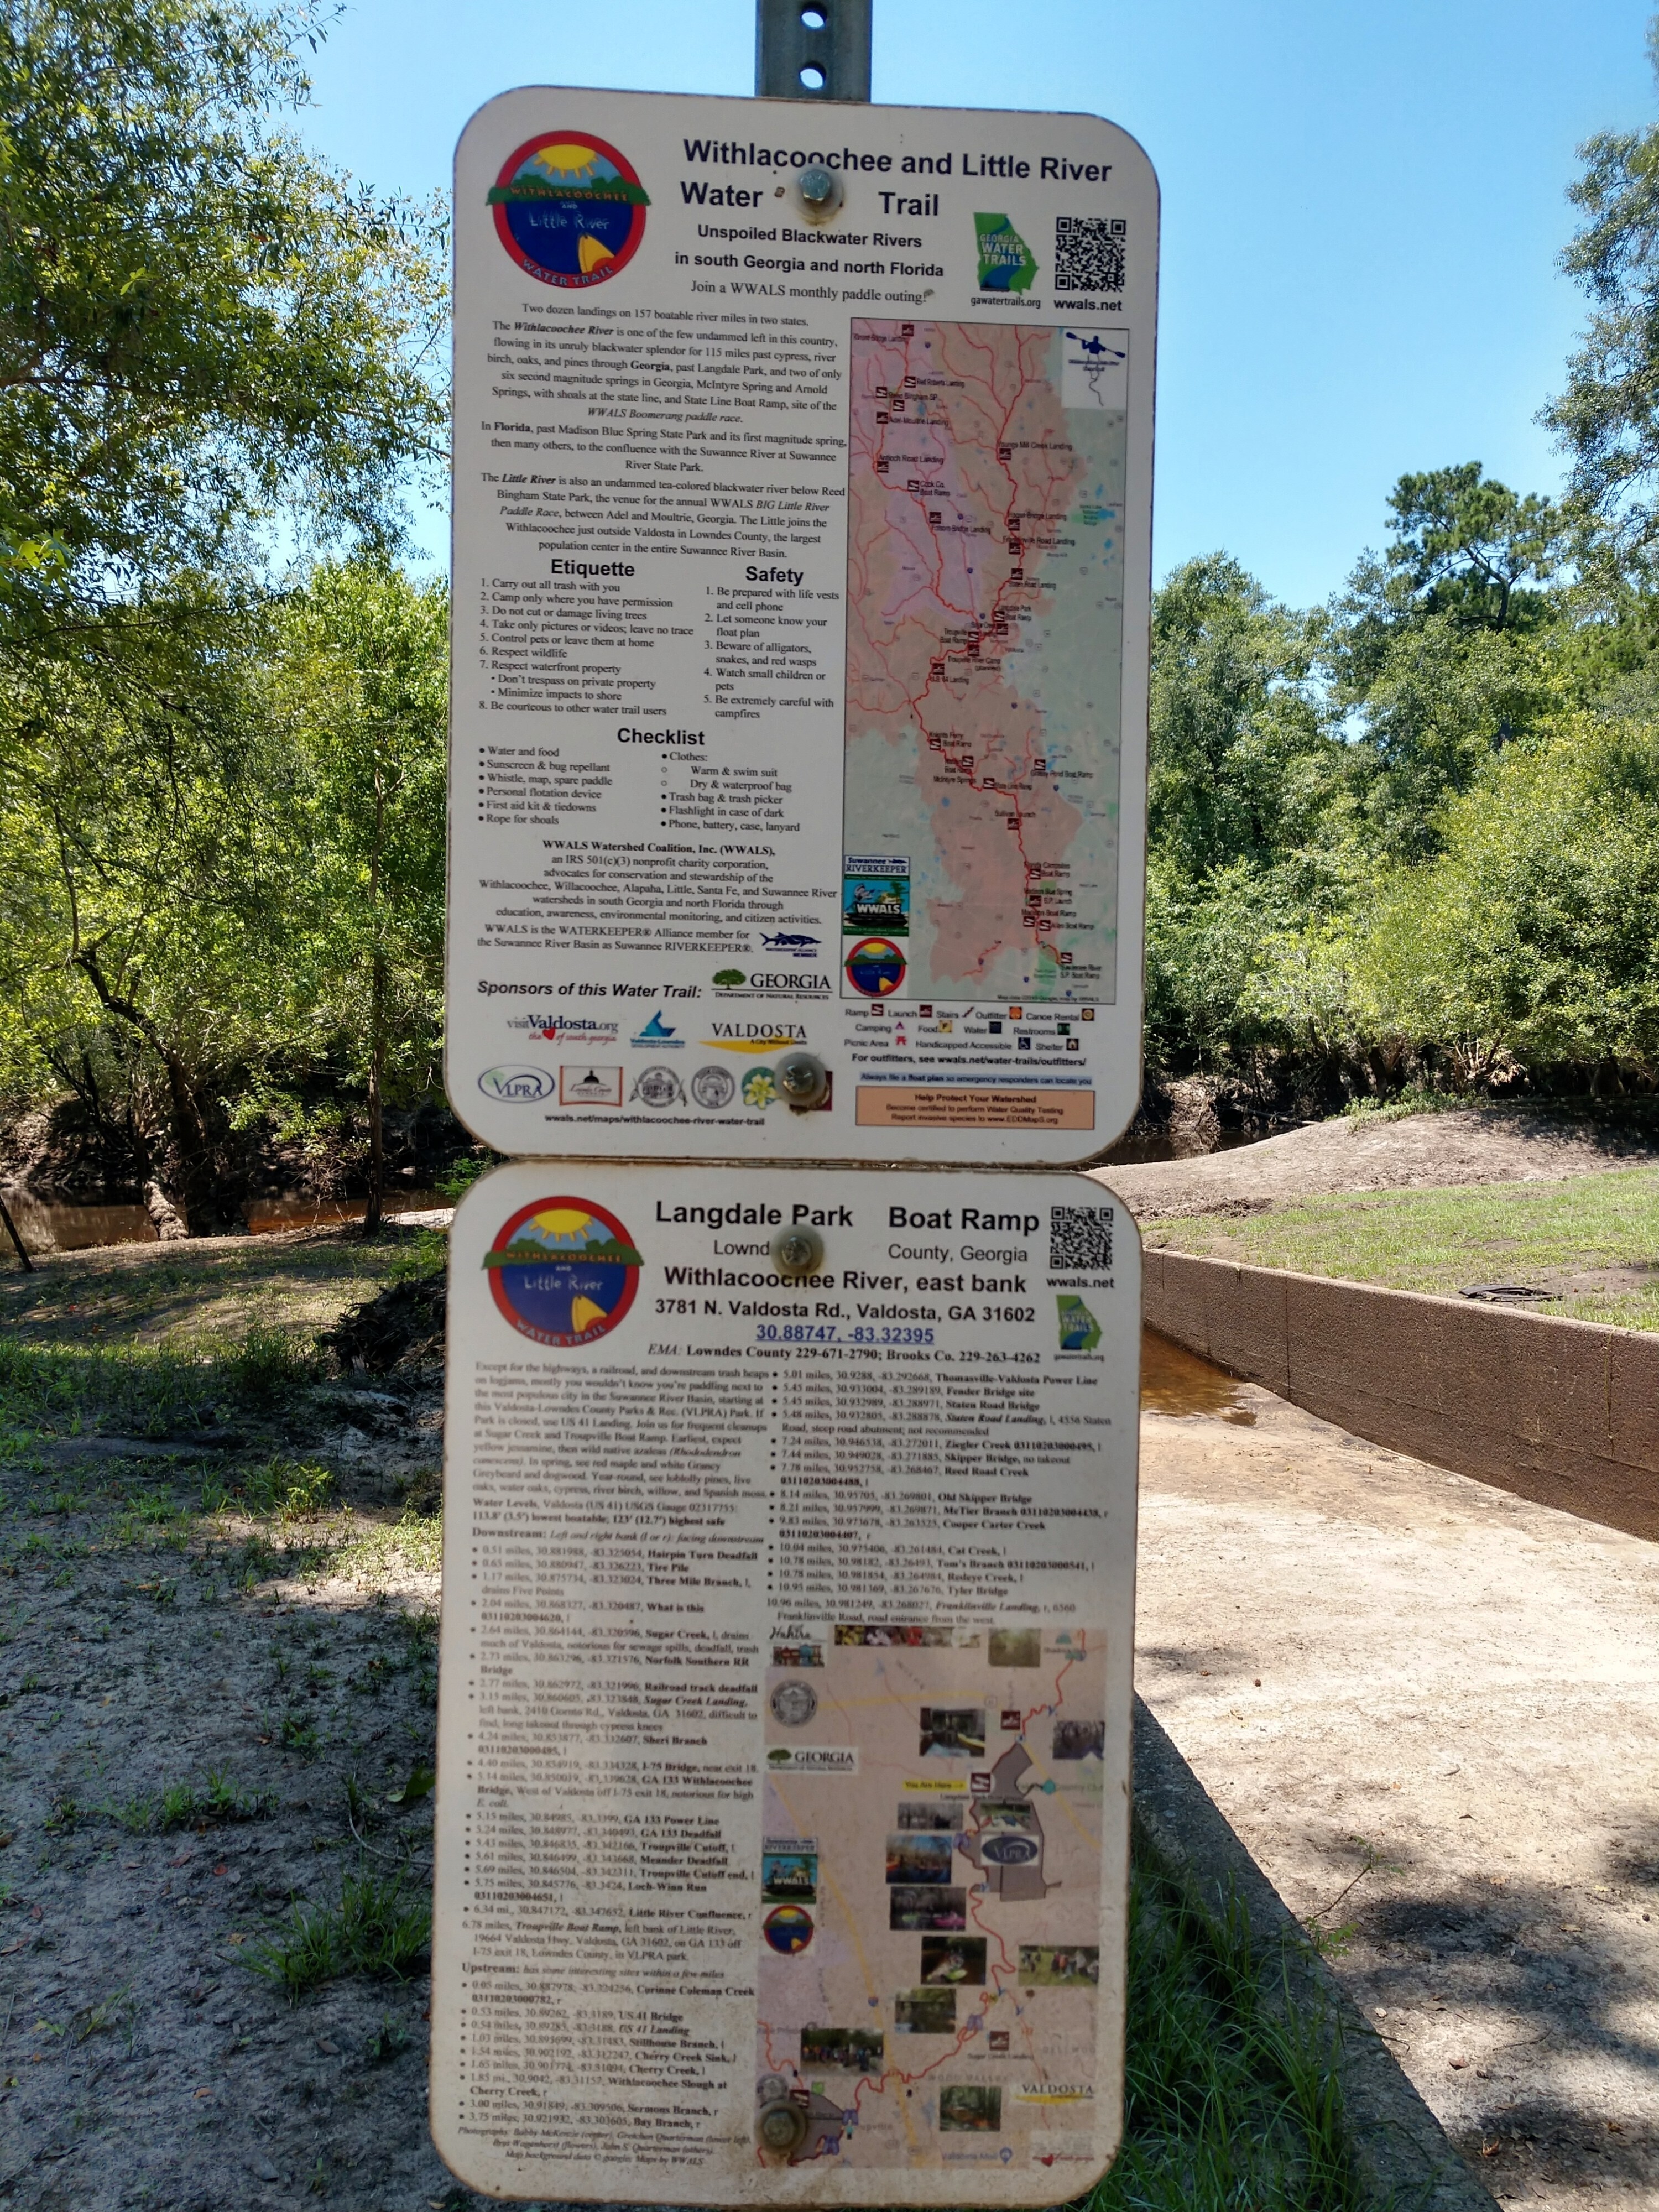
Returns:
<point x="563" y="1270"/>
<point x="570" y="209"/>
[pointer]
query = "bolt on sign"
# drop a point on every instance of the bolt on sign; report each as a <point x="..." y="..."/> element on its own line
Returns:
<point x="784" y="1724"/>
<point x="802" y="542"/>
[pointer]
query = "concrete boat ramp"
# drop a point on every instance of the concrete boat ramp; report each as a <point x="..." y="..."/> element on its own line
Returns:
<point x="1430" y="1710"/>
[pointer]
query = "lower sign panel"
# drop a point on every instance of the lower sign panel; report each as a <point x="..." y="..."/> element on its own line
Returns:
<point x="784" y="1735"/>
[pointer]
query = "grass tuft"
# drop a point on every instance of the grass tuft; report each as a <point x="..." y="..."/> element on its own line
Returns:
<point x="215" y="1803"/>
<point x="378" y="1929"/>
<point x="1230" y="2100"/>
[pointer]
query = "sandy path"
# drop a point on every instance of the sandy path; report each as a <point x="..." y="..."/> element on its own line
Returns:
<point x="1364" y="1656"/>
<point x="1426" y="1152"/>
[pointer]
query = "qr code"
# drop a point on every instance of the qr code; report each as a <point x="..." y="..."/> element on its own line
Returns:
<point x="1079" y="1236"/>
<point x="1089" y="252"/>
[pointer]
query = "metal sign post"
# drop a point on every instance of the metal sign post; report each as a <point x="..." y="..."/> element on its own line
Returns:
<point x="813" y="53"/>
<point x="802" y="544"/>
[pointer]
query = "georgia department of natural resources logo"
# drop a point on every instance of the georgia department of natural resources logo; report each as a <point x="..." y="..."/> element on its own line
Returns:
<point x="570" y="209"/>
<point x="563" y="1271"/>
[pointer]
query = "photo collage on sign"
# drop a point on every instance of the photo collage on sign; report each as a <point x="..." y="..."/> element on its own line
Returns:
<point x="933" y="1793"/>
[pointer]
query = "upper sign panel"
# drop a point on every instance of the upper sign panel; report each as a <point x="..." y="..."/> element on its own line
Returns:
<point x="802" y="490"/>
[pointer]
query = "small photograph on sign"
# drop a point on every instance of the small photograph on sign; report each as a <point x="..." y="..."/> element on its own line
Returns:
<point x="925" y="2012"/>
<point x="945" y="1815"/>
<point x="798" y="1655"/>
<point x="1016" y="1815"/>
<point x="913" y="1857"/>
<point x="1079" y="1740"/>
<point x="789" y="1877"/>
<point x="875" y="1635"/>
<point x="854" y="2049"/>
<point x="914" y="1906"/>
<point x="954" y="1732"/>
<point x="1046" y="1967"/>
<point x="958" y="1964"/>
<point x="972" y="2106"/>
<point x="1015" y="1647"/>
<point x="1013" y="1721"/>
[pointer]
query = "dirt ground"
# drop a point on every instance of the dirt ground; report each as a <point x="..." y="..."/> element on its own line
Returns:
<point x="1431" y="1712"/>
<point x="1423" y="1151"/>
<point x="150" y="1644"/>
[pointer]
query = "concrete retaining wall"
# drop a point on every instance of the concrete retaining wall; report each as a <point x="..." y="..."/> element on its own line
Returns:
<point x="1562" y="1412"/>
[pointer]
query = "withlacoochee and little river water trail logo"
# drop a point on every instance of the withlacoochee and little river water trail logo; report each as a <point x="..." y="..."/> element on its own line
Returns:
<point x="570" y="209"/>
<point x="563" y="1270"/>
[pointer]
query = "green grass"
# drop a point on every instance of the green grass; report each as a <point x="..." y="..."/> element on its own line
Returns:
<point x="164" y="1392"/>
<point x="1445" y="1241"/>
<point x="380" y="1928"/>
<point x="213" y="1803"/>
<point x="1231" y="2100"/>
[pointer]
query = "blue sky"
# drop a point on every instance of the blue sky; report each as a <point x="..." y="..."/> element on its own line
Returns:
<point x="1362" y="206"/>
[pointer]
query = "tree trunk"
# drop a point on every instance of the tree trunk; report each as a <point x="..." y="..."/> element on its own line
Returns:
<point x="376" y="1213"/>
<point x="190" y="1136"/>
<point x="170" y="1226"/>
<point x="11" y="1231"/>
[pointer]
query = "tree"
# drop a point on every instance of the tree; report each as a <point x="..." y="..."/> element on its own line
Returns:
<point x="1608" y="416"/>
<point x="211" y="347"/>
<point x="199" y="325"/>
<point x="1238" y="759"/>
<point x="1534" y="938"/>
<point x="365" y="678"/>
<point x="1463" y="544"/>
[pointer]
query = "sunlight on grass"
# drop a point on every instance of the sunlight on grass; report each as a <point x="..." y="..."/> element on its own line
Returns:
<point x="1445" y="1241"/>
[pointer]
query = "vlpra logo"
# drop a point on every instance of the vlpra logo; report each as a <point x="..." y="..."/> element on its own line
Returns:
<point x="516" y="1086"/>
<point x="659" y="1034"/>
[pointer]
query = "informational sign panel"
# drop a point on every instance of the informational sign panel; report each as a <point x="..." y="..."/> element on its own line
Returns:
<point x="784" y="1731"/>
<point x="802" y="490"/>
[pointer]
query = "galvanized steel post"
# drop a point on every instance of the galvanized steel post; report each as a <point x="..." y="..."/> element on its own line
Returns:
<point x="812" y="48"/>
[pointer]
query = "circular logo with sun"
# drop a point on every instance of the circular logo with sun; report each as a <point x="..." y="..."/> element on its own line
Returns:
<point x="563" y="1271"/>
<point x="570" y="209"/>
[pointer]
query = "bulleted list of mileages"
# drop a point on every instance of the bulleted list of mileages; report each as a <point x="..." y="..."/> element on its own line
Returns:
<point x="800" y="586"/>
<point x="784" y="1723"/>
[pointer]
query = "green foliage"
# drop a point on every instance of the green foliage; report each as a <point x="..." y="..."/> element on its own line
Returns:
<point x="216" y="1803"/>
<point x="208" y="343"/>
<point x="1230" y="2099"/>
<point x="1532" y="937"/>
<point x="1464" y="545"/>
<point x="378" y="1929"/>
<point x="1608" y="416"/>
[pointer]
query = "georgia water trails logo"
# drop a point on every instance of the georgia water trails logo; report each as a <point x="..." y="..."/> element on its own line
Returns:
<point x="570" y="209"/>
<point x="563" y="1271"/>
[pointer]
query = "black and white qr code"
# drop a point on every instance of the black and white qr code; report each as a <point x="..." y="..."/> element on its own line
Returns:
<point x="1089" y="252"/>
<point x="1079" y="1237"/>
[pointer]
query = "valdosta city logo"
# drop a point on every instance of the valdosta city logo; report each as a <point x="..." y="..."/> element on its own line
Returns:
<point x="570" y="209"/>
<point x="563" y="1271"/>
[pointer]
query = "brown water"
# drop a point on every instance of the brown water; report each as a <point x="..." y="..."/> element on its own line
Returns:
<point x="264" y="1216"/>
<point x="49" y="1225"/>
<point x="1176" y="1381"/>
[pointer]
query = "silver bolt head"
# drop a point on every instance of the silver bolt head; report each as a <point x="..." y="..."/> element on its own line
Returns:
<point x="780" y="2127"/>
<point x="817" y="185"/>
<point x="797" y="1251"/>
<point x="801" y="1078"/>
